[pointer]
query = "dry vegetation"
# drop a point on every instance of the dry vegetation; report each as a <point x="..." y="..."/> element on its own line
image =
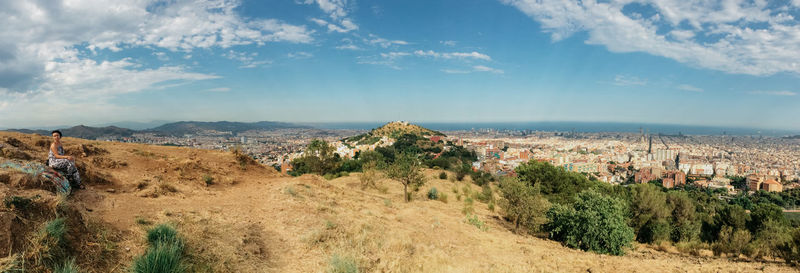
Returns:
<point x="252" y="219"/>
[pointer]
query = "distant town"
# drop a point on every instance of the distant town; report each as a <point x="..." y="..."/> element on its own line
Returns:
<point x="762" y="163"/>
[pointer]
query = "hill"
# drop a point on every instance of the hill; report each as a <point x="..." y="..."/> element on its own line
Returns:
<point x="253" y="219"/>
<point x="392" y="130"/>
<point x="170" y="129"/>
<point x="85" y="132"/>
<point x="194" y="127"/>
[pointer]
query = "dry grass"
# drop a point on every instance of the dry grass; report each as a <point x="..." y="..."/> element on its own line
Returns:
<point x="248" y="222"/>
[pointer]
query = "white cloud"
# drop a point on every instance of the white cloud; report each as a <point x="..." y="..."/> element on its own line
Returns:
<point x="161" y="56"/>
<point x="623" y="80"/>
<point x="334" y="8"/>
<point x="385" y="43"/>
<point x="482" y="68"/>
<point x="394" y="55"/>
<point x="383" y="62"/>
<point x="219" y="89"/>
<point x="84" y="90"/>
<point x="453" y="43"/>
<point x="746" y="37"/>
<point x="773" y="93"/>
<point x="300" y="55"/>
<point x="348" y="44"/>
<point x="456" y="71"/>
<point x="337" y="10"/>
<point x="47" y="49"/>
<point x="452" y="55"/>
<point x="476" y="68"/>
<point x="248" y="60"/>
<point x="33" y="34"/>
<point x="346" y="25"/>
<point x="690" y="88"/>
<point x="348" y="47"/>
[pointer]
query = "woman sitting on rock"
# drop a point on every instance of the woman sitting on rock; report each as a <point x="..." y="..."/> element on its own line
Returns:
<point x="64" y="163"/>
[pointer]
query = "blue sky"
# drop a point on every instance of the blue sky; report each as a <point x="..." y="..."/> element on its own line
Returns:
<point x="724" y="63"/>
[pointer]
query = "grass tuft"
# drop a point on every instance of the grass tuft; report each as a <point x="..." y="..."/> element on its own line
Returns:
<point x="67" y="267"/>
<point x="162" y="234"/>
<point x="49" y="244"/>
<point x="160" y="258"/>
<point x="342" y="264"/>
<point x="433" y="194"/>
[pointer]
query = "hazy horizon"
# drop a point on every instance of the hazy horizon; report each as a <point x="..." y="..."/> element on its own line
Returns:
<point x="547" y="126"/>
<point x="719" y="64"/>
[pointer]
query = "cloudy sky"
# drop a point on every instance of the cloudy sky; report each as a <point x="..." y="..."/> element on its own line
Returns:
<point x="700" y="62"/>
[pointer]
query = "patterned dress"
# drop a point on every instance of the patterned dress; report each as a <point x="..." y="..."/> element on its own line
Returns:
<point x="64" y="165"/>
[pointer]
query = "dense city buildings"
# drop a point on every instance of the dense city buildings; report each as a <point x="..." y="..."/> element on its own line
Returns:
<point x="768" y="163"/>
<point x="671" y="160"/>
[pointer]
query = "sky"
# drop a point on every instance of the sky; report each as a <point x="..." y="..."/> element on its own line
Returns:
<point x="719" y="63"/>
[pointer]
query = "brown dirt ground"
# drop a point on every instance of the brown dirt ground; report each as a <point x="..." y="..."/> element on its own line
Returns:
<point x="257" y="220"/>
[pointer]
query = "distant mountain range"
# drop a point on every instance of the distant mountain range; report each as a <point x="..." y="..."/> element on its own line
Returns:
<point x="171" y="129"/>
<point x="82" y="131"/>
<point x="194" y="127"/>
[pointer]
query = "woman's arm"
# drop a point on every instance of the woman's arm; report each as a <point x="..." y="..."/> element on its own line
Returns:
<point x="55" y="153"/>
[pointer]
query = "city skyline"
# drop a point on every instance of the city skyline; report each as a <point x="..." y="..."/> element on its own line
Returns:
<point x="724" y="63"/>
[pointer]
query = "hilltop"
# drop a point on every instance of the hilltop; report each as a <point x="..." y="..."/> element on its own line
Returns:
<point x="392" y="130"/>
<point x="238" y="216"/>
<point x="85" y="132"/>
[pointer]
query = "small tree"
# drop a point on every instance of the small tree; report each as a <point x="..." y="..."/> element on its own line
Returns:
<point x="523" y="204"/>
<point x="649" y="213"/>
<point x="370" y="175"/>
<point x="407" y="169"/>
<point x="593" y="223"/>
<point x="731" y="241"/>
<point x="684" y="217"/>
<point x="319" y="158"/>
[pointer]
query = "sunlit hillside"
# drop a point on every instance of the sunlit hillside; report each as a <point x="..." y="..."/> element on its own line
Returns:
<point x="237" y="216"/>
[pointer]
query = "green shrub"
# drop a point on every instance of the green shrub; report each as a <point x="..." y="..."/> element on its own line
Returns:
<point x="160" y="258"/>
<point x="468" y="209"/>
<point x="442" y="175"/>
<point x="685" y="224"/>
<point x="731" y="241"/>
<point x="472" y="219"/>
<point x="768" y="240"/>
<point x="433" y="194"/>
<point x="208" y="179"/>
<point x="164" y="233"/>
<point x="593" y="223"/>
<point x="523" y="204"/>
<point x="486" y="194"/>
<point x="443" y="197"/>
<point x="50" y="243"/>
<point x="790" y="250"/>
<point x="68" y="267"/>
<point x="654" y="231"/>
<point x="340" y="264"/>
<point x="649" y="213"/>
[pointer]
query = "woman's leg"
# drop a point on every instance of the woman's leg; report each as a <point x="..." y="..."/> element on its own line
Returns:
<point x="72" y="170"/>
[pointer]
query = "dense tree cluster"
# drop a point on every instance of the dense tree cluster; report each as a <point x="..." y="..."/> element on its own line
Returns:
<point x="754" y="225"/>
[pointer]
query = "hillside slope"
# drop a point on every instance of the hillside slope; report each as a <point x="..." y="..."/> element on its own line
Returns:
<point x="255" y="220"/>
